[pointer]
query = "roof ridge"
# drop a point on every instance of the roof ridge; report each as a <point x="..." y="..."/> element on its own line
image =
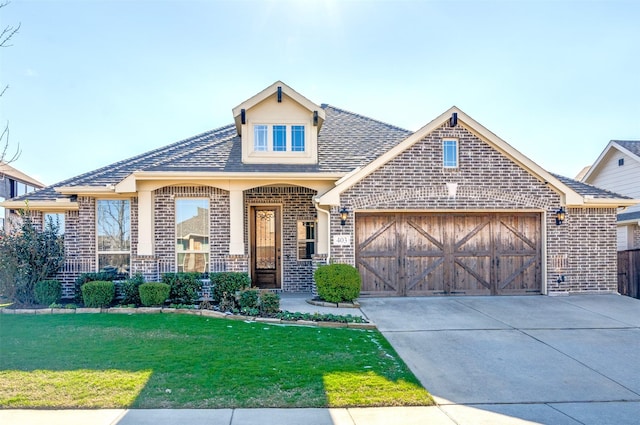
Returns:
<point x="395" y="127"/>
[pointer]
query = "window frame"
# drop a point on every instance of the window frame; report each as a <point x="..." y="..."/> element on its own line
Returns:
<point x="288" y="135"/>
<point x="304" y="241"/>
<point x="446" y="160"/>
<point x="207" y="251"/>
<point x="97" y="234"/>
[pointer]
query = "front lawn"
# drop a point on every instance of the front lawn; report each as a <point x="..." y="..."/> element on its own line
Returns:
<point x="184" y="361"/>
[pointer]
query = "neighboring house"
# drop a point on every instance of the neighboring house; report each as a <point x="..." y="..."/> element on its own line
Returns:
<point x="618" y="169"/>
<point x="13" y="183"/>
<point x="450" y="209"/>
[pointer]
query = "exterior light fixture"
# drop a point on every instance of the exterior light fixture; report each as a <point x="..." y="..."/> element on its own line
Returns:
<point x="561" y="214"/>
<point x="344" y="214"/>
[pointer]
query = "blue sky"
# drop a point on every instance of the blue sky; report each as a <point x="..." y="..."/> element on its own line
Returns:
<point x="94" y="82"/>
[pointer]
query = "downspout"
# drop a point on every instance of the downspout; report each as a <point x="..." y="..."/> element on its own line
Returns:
<point x="317" y="205"/>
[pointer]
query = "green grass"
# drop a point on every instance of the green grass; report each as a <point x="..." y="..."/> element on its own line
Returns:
<point x="184" y="361"/>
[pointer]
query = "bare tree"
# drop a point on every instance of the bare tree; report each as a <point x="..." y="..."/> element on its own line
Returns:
<point x="5" y="41"/>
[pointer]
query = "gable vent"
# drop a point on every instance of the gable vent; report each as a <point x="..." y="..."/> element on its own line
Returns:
<point x="279" y="94"/>
<point x="620" y="162"/>
<point x="453" y="121"/>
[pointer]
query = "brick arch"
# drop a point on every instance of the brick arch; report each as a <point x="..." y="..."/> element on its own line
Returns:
<point x="438" y="197"/>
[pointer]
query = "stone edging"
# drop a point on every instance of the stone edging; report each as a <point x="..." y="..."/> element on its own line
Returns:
<point x="195" y="312"/>
<point x="321" y="303"/>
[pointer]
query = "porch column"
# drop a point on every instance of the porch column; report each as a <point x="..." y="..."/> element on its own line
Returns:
<point x="236" y="222"/>
<point x="145" y="222"/>
<point x="323" y="232"/>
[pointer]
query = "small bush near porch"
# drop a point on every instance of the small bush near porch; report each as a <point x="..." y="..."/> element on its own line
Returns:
<point x="184" y="361"/>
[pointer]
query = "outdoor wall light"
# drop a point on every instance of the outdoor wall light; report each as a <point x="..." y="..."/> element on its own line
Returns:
<point x="560" y="216"/>
<point x="344" y="214"/>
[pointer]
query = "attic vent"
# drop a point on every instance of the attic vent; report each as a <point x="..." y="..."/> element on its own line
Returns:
<point x="620" y="162"/>
<point x="279" y="94"/>
<point x="315" y="118"/>
<point x="243" y="116"/>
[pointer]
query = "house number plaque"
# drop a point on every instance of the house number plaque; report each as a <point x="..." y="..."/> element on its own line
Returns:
<point x="342" y="240"/>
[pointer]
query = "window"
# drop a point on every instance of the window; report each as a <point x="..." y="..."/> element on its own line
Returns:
<point x="114" y="235"/>
<point x="278" y="138"/>
<point x="450" y="153"/>
<point x="306" y="239"/>
<point x="192" y="235"/>
<point x="260" y="138"/>
<point x="55" y="220"/>
<point x="620" y="162"/>
<point x="297" y="138"/>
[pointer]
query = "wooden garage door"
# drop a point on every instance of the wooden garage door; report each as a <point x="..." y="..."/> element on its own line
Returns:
<point x="448" y="254"/>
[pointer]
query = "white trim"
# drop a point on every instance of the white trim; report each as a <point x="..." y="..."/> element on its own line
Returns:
<point x="457" y="147"/>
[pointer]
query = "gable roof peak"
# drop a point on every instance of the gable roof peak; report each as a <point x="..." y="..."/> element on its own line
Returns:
<point x="276" y="88"/>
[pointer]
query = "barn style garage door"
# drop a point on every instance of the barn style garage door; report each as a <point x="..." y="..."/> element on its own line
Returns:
<point x="408" y="254"/>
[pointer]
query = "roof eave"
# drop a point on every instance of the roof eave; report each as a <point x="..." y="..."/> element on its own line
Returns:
<point x="63" y="204"/>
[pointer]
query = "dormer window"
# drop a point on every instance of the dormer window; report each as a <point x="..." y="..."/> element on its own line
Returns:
<point x="279" y="126"/>
<point x="279" y="138"/>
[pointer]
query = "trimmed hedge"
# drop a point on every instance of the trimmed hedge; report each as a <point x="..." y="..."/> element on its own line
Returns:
<point x="47" y="292"/>
<point x="337" y="282"/>
<point x="98" y="293"/>
<point x="154" y="293"/>
<point x="269" y="302"/>
<point x="91" y="277"/>
<point x="130" y="291"/>
<point x="228" y="282"/>
<point x="184" y="287"/>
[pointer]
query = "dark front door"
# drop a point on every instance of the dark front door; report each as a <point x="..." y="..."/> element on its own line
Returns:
<point x="265" y="246"/>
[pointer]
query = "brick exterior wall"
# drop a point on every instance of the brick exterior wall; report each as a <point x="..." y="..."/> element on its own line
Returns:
<point x="297" y="204"/>
<point x="487" y="180"/>
<point x="165" y="225"/>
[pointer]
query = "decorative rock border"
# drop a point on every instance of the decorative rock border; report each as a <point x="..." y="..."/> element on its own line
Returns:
<point x="195" y="312"/>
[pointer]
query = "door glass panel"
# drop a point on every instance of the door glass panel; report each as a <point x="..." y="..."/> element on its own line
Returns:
<point x="265" y="240"/>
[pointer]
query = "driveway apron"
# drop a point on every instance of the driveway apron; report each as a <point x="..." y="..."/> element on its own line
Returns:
<point x="537" y="355"/>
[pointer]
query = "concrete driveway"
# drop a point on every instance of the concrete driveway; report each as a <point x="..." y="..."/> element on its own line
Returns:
<point x="551" y="360"/>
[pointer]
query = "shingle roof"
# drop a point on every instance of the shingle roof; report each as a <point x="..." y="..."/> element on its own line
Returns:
<point x="585" y="189"/>
<point x="632" y="146"/>
<point x="345" y="142"/>
<point x="635" y="215"/>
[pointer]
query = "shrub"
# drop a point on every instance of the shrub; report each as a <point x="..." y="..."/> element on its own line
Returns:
<point x="47" y="292"/>
<point x="154" y="293"/>
<point x="91" y="277"/>
<point x="184" y="287"/>
<point x="248" y="298"/>
<point x="229" y="282"/>
<point x="337" y="282"/>
<point x="130" y="291"/>
<point x="269" y="302"/>
<point x="28" y="255"/>
<point x="98" y="293"/>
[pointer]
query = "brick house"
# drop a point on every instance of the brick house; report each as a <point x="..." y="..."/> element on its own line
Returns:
<point x="448" y="209"/>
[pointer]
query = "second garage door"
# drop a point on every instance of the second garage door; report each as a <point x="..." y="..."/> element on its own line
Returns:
<point x="407" y="254"/>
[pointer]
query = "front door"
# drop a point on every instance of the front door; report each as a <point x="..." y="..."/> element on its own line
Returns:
<point x="265" y="246"/>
